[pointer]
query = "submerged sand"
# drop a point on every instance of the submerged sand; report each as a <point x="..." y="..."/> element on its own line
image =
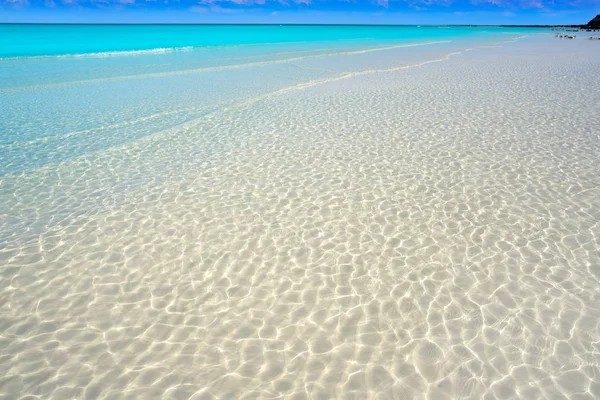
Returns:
<point x="421" y="232"/>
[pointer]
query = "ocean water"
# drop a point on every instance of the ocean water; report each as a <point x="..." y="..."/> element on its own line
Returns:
<point x="77" y="40"/>
<point x="298" y="212"/>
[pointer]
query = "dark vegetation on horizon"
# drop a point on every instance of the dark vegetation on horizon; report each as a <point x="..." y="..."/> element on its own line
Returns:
<point x="594" y="23"/>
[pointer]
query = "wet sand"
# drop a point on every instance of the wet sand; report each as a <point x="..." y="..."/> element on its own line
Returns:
<point x="424" y="232"/>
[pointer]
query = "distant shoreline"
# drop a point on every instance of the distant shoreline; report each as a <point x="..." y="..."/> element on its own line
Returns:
<point x="275" y="24"/>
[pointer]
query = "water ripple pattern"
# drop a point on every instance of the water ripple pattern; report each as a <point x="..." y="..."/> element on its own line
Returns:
<point x="408" y="223"/>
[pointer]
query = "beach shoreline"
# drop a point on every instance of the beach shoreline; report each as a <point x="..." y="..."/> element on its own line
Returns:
<point x="414" y="222"/>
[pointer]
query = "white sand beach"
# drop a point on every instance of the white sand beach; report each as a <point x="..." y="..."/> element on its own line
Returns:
<point x="386" y="225"/>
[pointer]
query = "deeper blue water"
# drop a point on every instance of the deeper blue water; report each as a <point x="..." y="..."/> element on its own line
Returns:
<point x="43" y="40"/>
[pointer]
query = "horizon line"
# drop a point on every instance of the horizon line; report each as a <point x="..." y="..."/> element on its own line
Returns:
<point x="287" y="24"/>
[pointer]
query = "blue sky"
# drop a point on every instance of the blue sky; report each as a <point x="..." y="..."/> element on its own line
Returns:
<point x="303" y="11"/>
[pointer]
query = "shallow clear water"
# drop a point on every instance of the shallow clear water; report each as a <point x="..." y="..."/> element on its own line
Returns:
<point x="384" y="216"/>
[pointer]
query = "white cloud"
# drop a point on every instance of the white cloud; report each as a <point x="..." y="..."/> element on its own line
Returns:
<point x="17" y="3"/>
<point x="238" y="2"/>
<point x="212" y="8"/>
<point x="532" y="4"/>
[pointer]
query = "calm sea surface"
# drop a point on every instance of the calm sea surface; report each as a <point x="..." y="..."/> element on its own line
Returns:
<point x="302" y="212"/>
<point x="51" y="40"/>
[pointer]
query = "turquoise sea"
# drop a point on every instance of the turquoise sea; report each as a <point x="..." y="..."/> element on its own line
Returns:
<point x="298" y="212"/>
<point x="76" y="40"/>
<point x="62" y="84"/>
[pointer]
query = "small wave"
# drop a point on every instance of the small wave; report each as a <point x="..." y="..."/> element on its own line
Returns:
<point x="168" y="50"/>
<point x="106" y="54"/>
<point x="218" y="68"/>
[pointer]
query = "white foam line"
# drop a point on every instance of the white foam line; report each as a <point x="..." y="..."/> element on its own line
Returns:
<point x="213" y="69"/>
<point x="104" y="54"/>
<point x="159" y="50"/>
<point x="346" y="75"/>
<point x="499" y="44"/>
<point x="317" y="50"/>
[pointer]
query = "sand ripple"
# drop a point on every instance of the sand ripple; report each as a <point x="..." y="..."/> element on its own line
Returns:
<point x="427" y="232"/>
